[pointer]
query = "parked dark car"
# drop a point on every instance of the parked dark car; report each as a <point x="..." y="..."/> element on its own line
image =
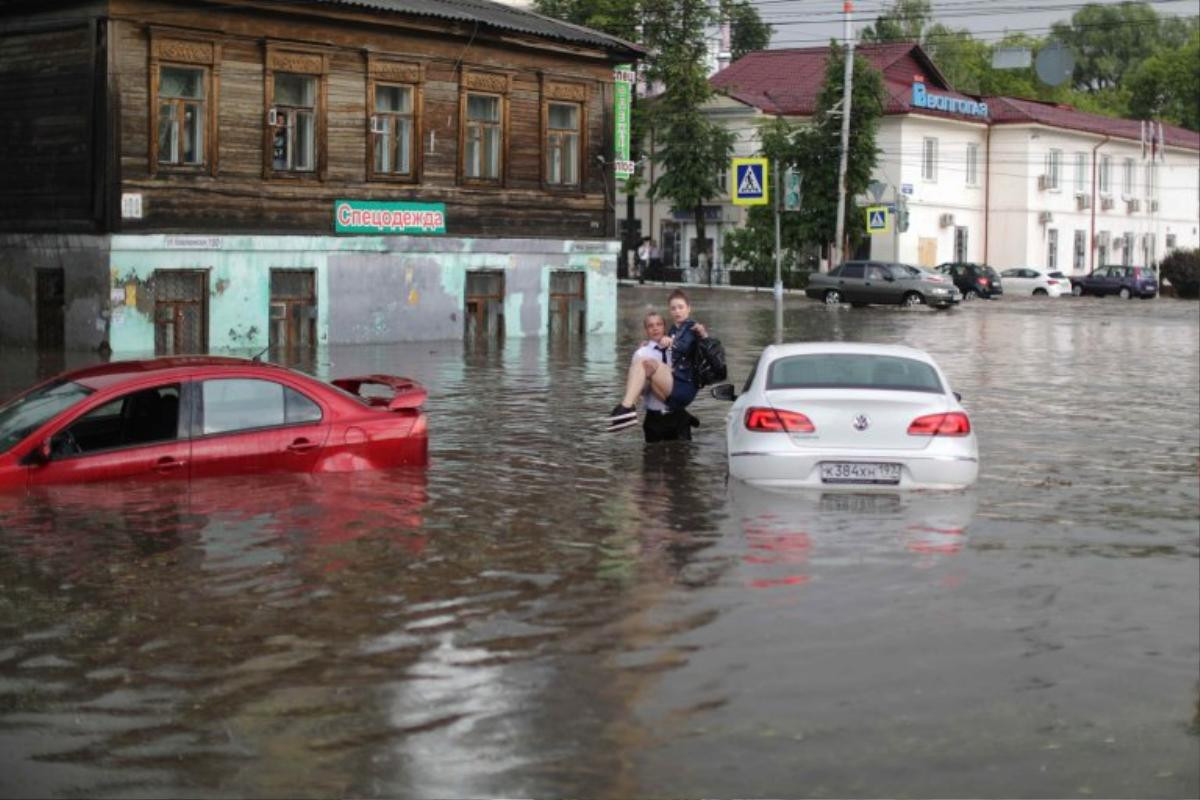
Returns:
<point x="861" y="283"/>
<point x="973" y="280"/>
<point x="1124" y="281"/>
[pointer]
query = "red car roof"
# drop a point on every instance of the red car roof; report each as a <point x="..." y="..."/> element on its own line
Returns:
<point x="101" y="376"/>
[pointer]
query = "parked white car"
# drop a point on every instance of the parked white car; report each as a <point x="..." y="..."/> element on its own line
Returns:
<point x="840" y="415"/>
<point x="1030" y="281"/>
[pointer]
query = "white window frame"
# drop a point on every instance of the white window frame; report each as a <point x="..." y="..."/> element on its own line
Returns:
<point x="1081" y="181"/>
<point x="1105" y="179"/>
<point x="972" y="164"/>
<point x="1079" y="263"/>
<point x="1127" y="186"/>
<point x="1053" y="168"/>
<point x="1051" y="249"/>
<point x="929" y="150"/>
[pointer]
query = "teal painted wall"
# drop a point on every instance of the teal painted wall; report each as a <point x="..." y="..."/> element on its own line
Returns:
<point x="369" y="288"/>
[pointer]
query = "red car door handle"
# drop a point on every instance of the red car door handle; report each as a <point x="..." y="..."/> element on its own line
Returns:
<point x="302" y="446"/>
<point x="167" y="464"/>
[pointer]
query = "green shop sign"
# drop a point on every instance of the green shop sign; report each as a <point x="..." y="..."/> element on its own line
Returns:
<point x="623" y="79"/>
<point x="367" y="216"/>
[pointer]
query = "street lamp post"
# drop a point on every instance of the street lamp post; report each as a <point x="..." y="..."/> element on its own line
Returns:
<point x="836" y="253"/>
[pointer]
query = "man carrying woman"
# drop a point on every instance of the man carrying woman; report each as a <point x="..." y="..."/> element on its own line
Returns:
<point x="673" y="382"/>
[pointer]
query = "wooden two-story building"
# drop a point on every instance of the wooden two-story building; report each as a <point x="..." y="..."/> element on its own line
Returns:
<point x="195" y="175"/>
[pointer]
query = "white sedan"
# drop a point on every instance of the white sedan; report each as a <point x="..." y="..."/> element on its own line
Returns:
<point x="1030" y="281"/>
<point x="840" y="415"/>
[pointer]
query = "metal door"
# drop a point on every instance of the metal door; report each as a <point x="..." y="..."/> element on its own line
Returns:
<point x="180" y="311"/>
<point x="483" y="316"/>
<point x="568" y="306"/>
<point x="293" y="310"/>
<point x="51" y="304"/>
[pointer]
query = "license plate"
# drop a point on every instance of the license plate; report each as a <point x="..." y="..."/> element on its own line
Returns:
<point x="858" y="472"/>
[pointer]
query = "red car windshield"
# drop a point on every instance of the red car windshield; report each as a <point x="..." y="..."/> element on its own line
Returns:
<point x="26" y="413"/>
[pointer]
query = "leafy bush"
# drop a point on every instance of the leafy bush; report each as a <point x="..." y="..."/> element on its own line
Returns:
<point x="1182" y="269"/>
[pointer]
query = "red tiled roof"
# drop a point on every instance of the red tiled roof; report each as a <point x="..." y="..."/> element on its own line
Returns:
<point x="788" y="81"/>
<point x="1016" y="110"/>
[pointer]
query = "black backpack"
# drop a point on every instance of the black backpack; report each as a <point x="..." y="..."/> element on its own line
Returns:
<point x="710" y="361"/>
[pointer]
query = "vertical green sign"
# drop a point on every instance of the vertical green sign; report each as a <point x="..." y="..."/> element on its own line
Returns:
<point x="623" y="80"/>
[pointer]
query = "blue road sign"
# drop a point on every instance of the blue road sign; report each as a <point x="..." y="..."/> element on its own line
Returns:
<point x="749" y="181"/>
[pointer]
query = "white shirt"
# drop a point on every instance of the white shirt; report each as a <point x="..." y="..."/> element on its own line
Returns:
<point x="650" y="350"/>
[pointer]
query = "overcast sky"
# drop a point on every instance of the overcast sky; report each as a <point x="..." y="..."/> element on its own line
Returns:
<point x="802" y="23"/>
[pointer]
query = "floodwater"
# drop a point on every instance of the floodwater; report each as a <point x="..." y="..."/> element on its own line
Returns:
<point x="549" y="610"/>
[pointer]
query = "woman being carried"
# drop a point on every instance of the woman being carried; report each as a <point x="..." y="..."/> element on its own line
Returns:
<point x="674" y="384"/>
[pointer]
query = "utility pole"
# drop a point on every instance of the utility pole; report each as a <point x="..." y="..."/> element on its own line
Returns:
<point x="836" y="254"/>
<point x="779" y="190"/>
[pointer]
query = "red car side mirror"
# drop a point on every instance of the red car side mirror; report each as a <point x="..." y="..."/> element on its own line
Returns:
<point x="39" y="455"/>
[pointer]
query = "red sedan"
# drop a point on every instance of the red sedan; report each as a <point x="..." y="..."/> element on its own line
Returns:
<point x="196" y="417"/>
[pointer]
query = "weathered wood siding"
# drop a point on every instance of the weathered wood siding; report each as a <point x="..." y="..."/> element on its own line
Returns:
<point x="238" y="194"/>
<point x="47" y="151"/>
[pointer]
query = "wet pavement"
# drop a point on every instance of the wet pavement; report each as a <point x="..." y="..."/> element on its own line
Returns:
<point x="553" y="611"/>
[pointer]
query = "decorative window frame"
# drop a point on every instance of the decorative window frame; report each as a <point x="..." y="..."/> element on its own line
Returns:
<point x="566" y="92"/>
<point x="297" y="60"/>
<point x="169" y="47"/>
<point x="492" y="83"/>
<point x="396" y="72"/>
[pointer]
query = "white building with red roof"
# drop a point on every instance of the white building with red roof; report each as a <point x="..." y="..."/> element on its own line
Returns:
<point x="999" y="180"/>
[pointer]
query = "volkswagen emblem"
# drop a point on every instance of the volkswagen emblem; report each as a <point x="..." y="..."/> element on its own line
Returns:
<point x="861" y="422"/>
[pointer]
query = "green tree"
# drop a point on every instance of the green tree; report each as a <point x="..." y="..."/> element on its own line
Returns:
<point x="818" y="149"/>
<point x="614" y="17"/>
<point x="695" y="149"/>
<point x="905" y="21"/>
<point x="1167" y="85"/>
<point x="1108" y="40"/>
<point x="747" y="30"/>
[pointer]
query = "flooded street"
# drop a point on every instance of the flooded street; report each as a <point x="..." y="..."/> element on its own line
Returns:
<point x="550" y="610"/>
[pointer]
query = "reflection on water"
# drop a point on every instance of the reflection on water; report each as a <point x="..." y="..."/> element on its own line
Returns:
<point x="550" y="610"/>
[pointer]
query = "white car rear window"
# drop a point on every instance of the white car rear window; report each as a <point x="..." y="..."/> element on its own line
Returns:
<point x="853" y="371"/>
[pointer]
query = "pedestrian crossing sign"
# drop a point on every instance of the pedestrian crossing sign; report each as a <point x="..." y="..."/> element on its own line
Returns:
<point x="749" y="182"/>
<point x="878" y="219"/>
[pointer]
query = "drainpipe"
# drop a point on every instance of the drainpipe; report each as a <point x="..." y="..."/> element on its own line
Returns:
<point x="1095" y="167"/>
<point x="987" y="191"/>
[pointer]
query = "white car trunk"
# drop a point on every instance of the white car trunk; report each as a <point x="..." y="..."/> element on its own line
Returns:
<point x="839" y="415"/>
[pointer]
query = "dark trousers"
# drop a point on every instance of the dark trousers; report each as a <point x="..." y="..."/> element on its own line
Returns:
<point x="672" y="426"/>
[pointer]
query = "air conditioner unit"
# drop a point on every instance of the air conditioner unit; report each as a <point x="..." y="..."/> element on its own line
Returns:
<point x="946" y="220"/>
<point x="1153" y="206"/>
<point x="1134" y="205"/>
<point x="1106" y="201"/>
<point x="378" y="124"/>
<point x="274" y="118"/>
<point x="1083" y="201"/>
<point x="1045" y="216"/>
<point x="1103" y="238"/>
<point x="1043" y="182"/>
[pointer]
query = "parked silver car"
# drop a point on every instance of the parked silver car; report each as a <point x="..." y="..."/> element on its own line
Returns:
<point x="861" y="283"/>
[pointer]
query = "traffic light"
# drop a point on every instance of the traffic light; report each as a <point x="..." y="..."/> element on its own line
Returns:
<point x="902" y="213"/>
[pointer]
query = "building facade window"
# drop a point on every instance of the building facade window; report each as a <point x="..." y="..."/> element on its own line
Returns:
<point x="960" y="243"/>
<point x="972" y="164"/>
<point x="1127" y="249"/>
<point x="1053" y="168"/>
<point x="1080" y="252"/>
<point x="482" y="137"/>
<point x="563" y="142"/>
<point x="1152" y="180"/>
<point x="294" y="134"/>
<point x="1170" y="241"/>
<point x="183" y="103"/>
<point x="1127" y="178"/>
<point x="393" y="130"/>
<point x="1052" y="249"/>
<point x="1081" y="177"/>
<point x="929" y="159"/>
<point x="1105" y="174"/>
<point x="182" y="115"/>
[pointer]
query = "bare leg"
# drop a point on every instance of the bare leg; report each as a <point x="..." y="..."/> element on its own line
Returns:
<point x="655" y="373"/>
